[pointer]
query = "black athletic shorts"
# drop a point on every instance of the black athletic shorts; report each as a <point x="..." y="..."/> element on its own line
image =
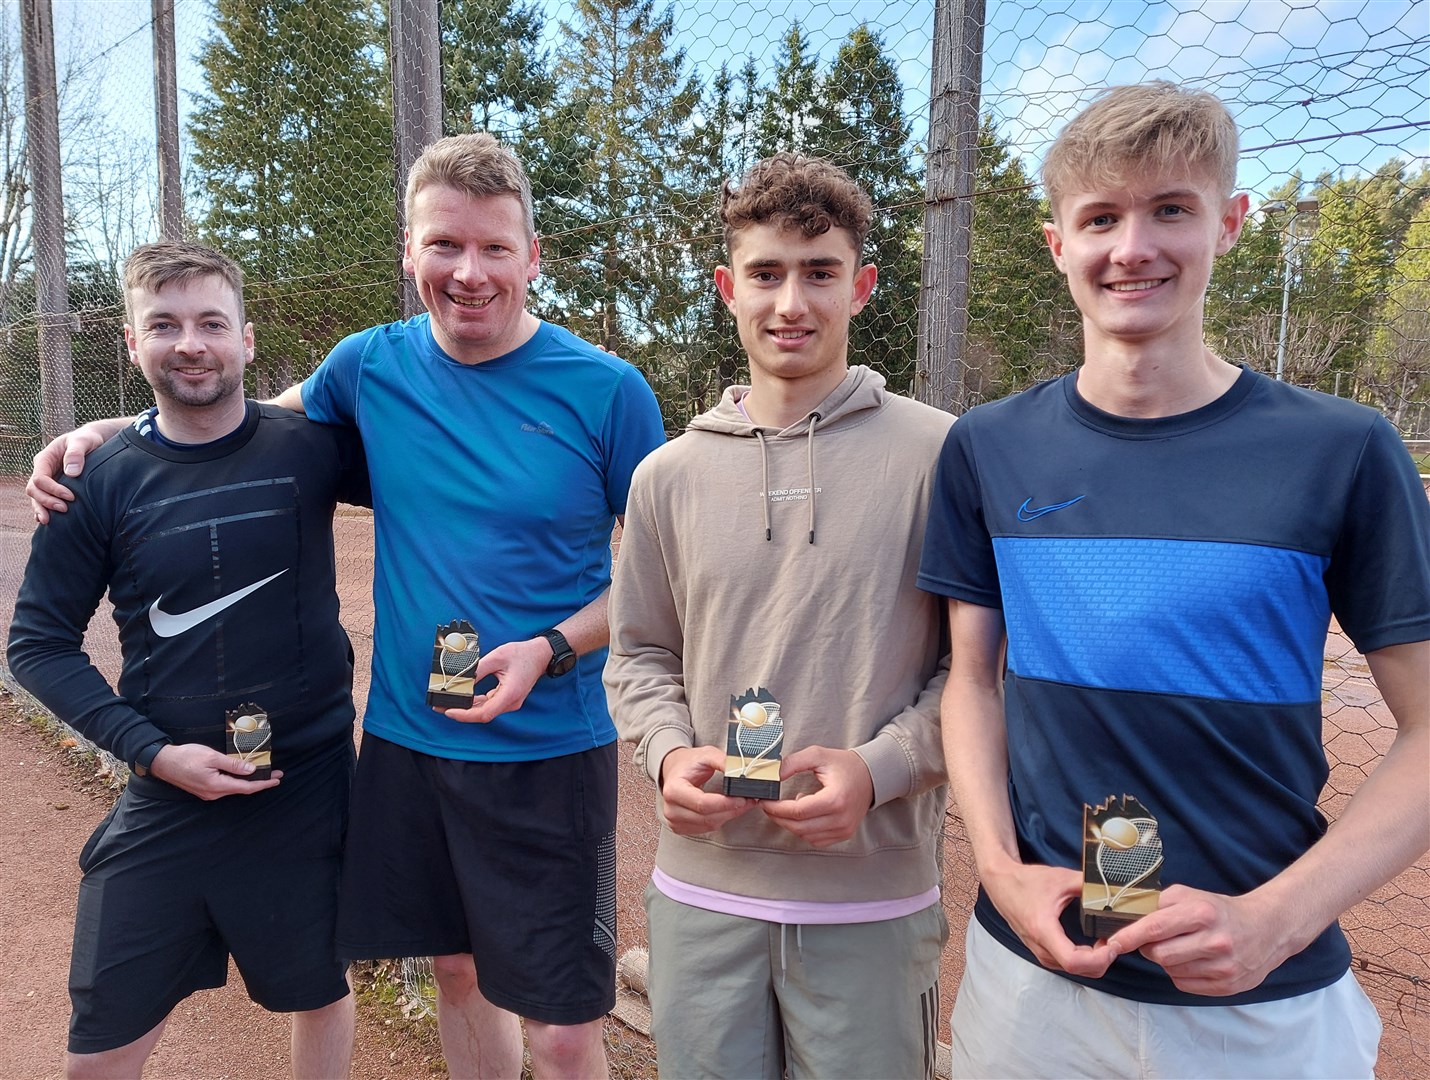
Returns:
<point x="511" y="861"/>
<point x="171" y="888"/>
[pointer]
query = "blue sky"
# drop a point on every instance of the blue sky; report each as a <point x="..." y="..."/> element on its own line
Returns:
<point x="1298" y="74"/>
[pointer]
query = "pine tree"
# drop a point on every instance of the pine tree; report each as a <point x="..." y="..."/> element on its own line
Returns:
<point x="1022" y="325"/>
<point x="293" y="148"/>
<point x="786" y="116"/>
<point x="612" y="255"/>
<point x="857" y="121"/>
<point x="494" y="74"/>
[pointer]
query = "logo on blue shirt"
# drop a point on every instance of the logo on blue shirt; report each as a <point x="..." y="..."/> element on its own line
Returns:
<point x="1025" y="513"/>
<point x="542" y="428"/>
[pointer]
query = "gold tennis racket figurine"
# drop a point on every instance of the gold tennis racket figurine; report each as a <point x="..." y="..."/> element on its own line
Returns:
<point x="452" y="683"/>
<point x="1121" y="858"/>
<point x="753" y="740"/>
<point x="249" y="737"/>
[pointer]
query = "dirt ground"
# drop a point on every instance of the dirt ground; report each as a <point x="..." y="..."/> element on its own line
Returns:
<point x="47" y="814"/>
<point x="48" y="811"/>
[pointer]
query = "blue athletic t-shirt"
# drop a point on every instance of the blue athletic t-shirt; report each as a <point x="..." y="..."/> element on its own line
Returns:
<point x="495" y="490"/>
<point x="1167" y="586"/>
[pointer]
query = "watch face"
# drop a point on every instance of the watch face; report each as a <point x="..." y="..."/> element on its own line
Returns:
<point x="563" y="658"/>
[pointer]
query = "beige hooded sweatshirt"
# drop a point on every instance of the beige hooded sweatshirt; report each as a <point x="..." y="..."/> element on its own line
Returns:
<point x="786" y="560"/>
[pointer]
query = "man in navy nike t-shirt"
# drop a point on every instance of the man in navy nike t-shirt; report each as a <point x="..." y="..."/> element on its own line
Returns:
<point x="1141" y="560"/>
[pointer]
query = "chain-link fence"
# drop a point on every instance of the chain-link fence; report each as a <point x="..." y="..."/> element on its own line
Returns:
<point x="629" y="115"/>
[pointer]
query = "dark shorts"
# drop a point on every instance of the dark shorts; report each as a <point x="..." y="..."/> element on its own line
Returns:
<point x="172" y="888"/>
<point x="511" y="861"/>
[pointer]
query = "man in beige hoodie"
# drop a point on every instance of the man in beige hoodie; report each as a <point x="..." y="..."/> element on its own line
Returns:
<point x="769" y="560"/>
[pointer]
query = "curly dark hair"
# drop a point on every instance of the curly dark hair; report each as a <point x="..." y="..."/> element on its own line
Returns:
<point x="804" y="194"/>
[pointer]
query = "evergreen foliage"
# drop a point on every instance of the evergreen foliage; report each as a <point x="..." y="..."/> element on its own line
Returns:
<point x="294" y="146"/>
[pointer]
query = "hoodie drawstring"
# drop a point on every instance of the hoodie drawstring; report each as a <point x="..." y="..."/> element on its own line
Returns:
<point x="765" y="480"/>
<point x="814" y="419"/>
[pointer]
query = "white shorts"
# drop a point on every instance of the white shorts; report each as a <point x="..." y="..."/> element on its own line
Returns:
<point x="1012" y="1018"/>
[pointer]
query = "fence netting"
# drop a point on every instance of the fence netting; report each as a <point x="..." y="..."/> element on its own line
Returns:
<point x="629" y="116"/>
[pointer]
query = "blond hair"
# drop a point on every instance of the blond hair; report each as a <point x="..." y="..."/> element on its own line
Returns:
<point x="804" y="194"/>
<point x="152" y="266"/>
<point x="1155" y="127"/>
<point x="473" y="163"/>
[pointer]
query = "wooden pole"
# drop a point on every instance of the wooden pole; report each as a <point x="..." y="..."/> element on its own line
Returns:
<point x="416" y="107"/>
<point x="940" y="378"/>
<point x="42" y="127"/>
<point x="166" y="118"/>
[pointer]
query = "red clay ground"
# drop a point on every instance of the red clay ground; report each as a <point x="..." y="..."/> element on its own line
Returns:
<point x="47" y="813"/>
<point x="1390" y="933"/>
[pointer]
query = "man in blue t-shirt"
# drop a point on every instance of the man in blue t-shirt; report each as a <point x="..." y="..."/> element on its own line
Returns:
<point x="500" y="449"/>
<point x="1159" y="541"/>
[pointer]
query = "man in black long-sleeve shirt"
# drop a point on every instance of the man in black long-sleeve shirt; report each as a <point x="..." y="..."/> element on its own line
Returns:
<point x="209" y="522"/>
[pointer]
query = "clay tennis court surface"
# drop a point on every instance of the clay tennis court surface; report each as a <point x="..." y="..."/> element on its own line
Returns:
<point x="48" y="810"/>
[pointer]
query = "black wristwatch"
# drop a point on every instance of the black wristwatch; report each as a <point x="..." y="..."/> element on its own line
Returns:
<point x="144" y="760"/>
<point x="562" y="658"/>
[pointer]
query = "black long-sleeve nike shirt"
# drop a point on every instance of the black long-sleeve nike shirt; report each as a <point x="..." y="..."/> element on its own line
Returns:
<point x="219" y="562"/>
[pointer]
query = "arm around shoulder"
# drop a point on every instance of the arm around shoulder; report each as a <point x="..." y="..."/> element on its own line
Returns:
<point x="64" y="456"/>
<point x="291" y="399"/>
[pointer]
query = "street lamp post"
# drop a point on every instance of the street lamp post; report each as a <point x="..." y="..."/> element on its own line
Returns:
<point x="1303" y="206"/>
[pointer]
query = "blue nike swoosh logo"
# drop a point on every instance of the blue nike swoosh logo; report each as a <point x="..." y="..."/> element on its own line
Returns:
<point x="1024" y="514"/>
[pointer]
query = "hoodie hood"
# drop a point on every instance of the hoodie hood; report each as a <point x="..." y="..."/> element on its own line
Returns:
<point x="854" y="400"/>
<point x="862" y="389"/>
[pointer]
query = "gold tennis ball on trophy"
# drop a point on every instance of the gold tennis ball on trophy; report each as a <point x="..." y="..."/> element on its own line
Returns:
<point x="455" y="642"/>
<point x="752" y="714"/>
<point x="1119" y="833"/>
<point x="245" y="723"/>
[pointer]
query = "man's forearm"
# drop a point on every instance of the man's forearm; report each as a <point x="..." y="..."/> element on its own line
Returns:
<point x="588" y="629"/>
<point x="975" y="740"/>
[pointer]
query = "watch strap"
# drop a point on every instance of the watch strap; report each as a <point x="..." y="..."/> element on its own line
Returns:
<point x="144" y="760"/>
<point x="563" y="657"/>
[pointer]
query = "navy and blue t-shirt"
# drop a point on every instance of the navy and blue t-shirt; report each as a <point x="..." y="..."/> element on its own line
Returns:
<point x="1167" y="586"/>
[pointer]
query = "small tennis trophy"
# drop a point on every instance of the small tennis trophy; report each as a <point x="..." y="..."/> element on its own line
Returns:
<point x="249" y="738"/>
<point x="452" y="684"/>
<point x="753" y="739"/>
<point x="1121" y="855"/>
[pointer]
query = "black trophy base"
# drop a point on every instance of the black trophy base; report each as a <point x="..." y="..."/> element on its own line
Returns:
<point x="440" y="699"/>
<point x="742" y="787"/>
<point x="262" y="772"/>
<point x="1103" y="924"/>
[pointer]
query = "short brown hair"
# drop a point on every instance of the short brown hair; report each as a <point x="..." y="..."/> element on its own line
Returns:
<point x="804" y="194"/>
<point x="1155" y="126"/>
<point x="152" y="266"/>
<point x="474" y="163"/>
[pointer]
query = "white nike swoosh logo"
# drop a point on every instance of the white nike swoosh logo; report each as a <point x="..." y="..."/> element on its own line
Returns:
<point x="166" y="625"/>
